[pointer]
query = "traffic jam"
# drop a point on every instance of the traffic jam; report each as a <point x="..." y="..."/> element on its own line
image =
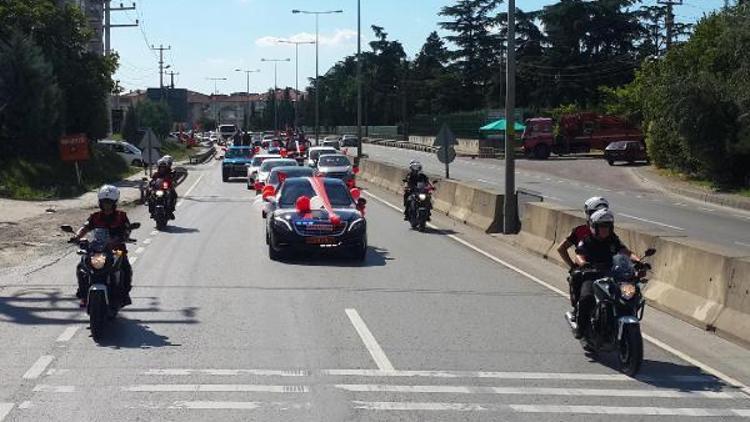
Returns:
<point x="310" y="201"/>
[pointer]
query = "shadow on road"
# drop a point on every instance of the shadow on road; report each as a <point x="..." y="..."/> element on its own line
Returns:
<point x="125" y="333"/>
<point x="376" y="257"/>
<point x="29" y="308"/>
<point x="668" y="375"/>
<point x="180" y="230"/>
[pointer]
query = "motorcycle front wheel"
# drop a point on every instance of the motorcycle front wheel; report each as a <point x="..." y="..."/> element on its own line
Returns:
<point x="631" y="349"/>
<point x="97" y="315"/>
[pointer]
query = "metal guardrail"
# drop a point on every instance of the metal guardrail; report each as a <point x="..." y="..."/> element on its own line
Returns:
<point x="202" y="156"/>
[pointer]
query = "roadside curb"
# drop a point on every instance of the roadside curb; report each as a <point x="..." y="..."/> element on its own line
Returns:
<point x="661" y="183"/>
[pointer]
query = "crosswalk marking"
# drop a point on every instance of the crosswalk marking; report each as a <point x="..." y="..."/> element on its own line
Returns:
<point x="525" y="408"/>
<point x="230" y="372"/>
<point x="5" y="408"/>
<point x="237" y="405"/>
<point x="222" y="388"/>
<point x="536" y="391"/>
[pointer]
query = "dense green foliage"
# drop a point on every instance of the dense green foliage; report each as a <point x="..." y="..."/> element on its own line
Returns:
<point x="695" y="102"/>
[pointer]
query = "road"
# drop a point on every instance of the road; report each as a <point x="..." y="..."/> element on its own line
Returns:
<point x="425" y="329"/>
<point x="571" y="182"/>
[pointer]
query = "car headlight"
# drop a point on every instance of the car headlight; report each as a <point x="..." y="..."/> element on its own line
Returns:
<point x="627" y="290"/>
<point x="422" y="196"/>
<point x="356" y="224"/>
<point x="284" y="222"/>
<point x="160" y="193"/>
<point x="98" y="261"/>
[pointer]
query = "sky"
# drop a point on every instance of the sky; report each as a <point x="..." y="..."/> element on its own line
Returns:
<point x="212" y="38"/>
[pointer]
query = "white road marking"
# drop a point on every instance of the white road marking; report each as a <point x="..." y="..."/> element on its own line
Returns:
<point x="154" y="232"/>
<point x="706" y="209"/>
<point x="369" y="340"/>
<point x="5" y="408"/>
<point x="237" y="405"/>
<point x="68" y="333"/>
<point x="133" y="259"/>
<point x="190" y="190"/>
<point x="487" y="181"/>
<point x="223" y="388"/>
<point x="527" y="408"/>
<point x="658" y="343"/>
<point x="743" y="244"/>
<point x="537" y="391"/>
<point x="148" y="241"/>
<point x="38" y="367"/>
<point x="630" y="410"/>
<point x="651" y="221"/>
<point x="41" y="388"/>
<point x="230" y="372"/>
<point x="140" y="250"/>
<point x="24" y="405"/>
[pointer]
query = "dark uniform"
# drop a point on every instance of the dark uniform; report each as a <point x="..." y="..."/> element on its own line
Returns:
<point x="412" y="180"/>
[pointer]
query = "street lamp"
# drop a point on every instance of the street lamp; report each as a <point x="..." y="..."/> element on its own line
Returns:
<point x="296" y="74"/>
<point x="247" y="105"/>
<point x="216" y="89"/>
<point x="275" y="89"/>
<point x="317" y="76"/>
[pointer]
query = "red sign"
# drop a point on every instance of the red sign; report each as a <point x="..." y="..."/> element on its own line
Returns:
<point x="74" y="147"/>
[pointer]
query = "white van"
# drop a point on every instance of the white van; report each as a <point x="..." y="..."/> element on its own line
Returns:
<point x="129" y="152"/>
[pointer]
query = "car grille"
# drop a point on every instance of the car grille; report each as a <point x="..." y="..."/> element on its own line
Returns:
<point x="319" y="228"/>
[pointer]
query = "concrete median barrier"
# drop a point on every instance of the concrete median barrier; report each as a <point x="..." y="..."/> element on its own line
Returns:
<point x="444" y="195"/>
<point x="705" y="284"/>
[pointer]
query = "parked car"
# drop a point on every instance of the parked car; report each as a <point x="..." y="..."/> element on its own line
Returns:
<point x="349" y="141"/>
<point x="294" y="223"/>
<point x="236" y="161"/>
<point x="629" y="151"/>
<point x="129" y="152"/>
<point x="315" y="153"/>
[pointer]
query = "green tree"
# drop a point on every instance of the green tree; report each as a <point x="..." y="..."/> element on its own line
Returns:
<point x="30" y="99"/>
<point x="154" y="115"/>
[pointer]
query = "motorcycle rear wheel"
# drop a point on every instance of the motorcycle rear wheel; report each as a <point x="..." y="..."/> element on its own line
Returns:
<point x="631" y="350"/>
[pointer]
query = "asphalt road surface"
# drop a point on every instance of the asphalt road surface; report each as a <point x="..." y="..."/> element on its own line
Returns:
<point x="425" y="329"/>
<point x="571" y="181"/>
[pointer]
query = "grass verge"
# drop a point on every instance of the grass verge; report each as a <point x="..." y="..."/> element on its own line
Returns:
<point x="703" y="183"/>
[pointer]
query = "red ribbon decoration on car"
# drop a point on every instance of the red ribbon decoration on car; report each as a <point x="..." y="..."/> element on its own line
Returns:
<point x="320" y="190"/>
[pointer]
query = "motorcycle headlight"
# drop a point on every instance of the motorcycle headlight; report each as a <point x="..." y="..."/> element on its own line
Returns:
<point x="422" y="196"/>
<point x="627" y="290"/>
<point x="160" y="193"/>
<point x="98" y="261"/>
<point x="283" y="222"/>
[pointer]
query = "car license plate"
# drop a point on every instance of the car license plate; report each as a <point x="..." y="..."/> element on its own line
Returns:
<point x="320" y="240"/>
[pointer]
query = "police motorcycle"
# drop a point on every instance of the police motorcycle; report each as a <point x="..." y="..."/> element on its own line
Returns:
<point x="420" y="205"/>
<point x="159" y="195"/>
<point x="619" y="307"/>
<point x="102" y="266"/>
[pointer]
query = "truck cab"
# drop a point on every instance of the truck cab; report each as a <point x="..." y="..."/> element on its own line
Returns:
<point x="538" y="137"/>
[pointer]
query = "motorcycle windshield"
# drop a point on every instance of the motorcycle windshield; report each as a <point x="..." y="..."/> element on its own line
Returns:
<point x="622" y="268"/>
<point x="99" y="239"/>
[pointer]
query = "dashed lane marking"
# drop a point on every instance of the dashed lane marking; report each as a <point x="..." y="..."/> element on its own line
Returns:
<point x="217" y="388"/>
<point x="190" y="190"/>
<point x="148" y="241"/>
<point x="369" y="340"/>
<point x="41" y="388"/>
<point x="133" y="260"/>
<point x="68" y="334"/>
<point x="38" y="367"/>
<point x="658" y="343"/>
<point x="743" y="244"/>
<point x="237" y="405"/>
<point x="645" y="220"/>
<point x="140" y="250"/>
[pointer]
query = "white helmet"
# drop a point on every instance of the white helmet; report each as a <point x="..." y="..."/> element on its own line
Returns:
<point x="109" y="192"/>
<point x="593" y="204"/>
<point x="415" y="165"/>
<point x="163" y="161"/>
<point x="169" y="159"/>
<point x="603" y="216"/>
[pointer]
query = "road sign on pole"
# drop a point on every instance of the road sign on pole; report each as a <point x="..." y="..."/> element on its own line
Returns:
<point x="445" y="141"/>
<point x="445" y="137"/>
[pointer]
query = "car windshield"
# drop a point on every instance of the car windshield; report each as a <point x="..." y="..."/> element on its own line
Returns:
<point x="317" y="153"/>
<point x="226" y="129"/>
<point x="239" y="153"/>
<point x="270" y="164"/>
<point x="617" y="145"/>
<point x="289" y="172"/>
<point x="333" y="161"/>
<point x="293" y="189"/>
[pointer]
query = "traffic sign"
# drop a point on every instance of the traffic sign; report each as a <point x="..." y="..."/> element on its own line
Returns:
<point x="445" y="137"/>
<point x="446" y="155"/>
<point x="74" y="147"/>
<point x="149" y="140"/>
<point x="151" y="156"/>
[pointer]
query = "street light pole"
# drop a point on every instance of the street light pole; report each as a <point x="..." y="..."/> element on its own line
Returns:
<point x="359" y="82"/>
<point x="317" y="75"/>
<point x="296" y="75"/>
<point x="247" y="92"/>
<point x="510" y="206"/>
<point x="275" y="89"/>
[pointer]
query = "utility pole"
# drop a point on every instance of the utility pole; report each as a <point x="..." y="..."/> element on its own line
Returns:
<point x="317" y="75"/>
<point x="296" y="75"/>
<point x="107" y="44"/>
<point x="275" y="90"/>
<point x="510" y="206"/>
<point x="171" y="77"/>
<point x="669" y="19"/>
<point x="247" y="93"/>
<point x="359" y="83"/>
<point x="161" y="49"/>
